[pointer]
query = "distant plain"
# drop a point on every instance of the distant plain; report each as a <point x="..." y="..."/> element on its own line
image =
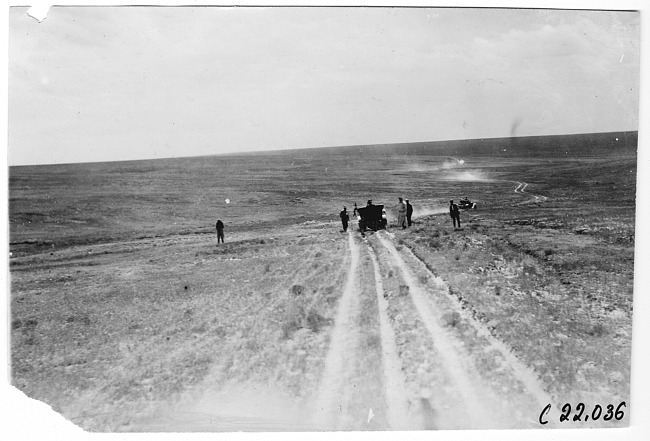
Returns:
<point x="122" y="302"/>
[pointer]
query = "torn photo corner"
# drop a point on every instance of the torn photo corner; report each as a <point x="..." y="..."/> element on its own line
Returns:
<point x="39" y="10"/>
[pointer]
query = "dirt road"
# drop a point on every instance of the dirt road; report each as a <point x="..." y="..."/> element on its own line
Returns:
<point x="396" y="348"/>
<point x="536" y="198"/>
<point x="402" y="354"/>
<point x="439" y="368"/>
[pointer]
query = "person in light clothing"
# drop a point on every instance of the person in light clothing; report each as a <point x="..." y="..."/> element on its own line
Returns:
<point x="401" y="213"/>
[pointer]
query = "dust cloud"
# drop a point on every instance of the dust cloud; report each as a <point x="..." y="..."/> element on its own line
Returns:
<point x="418" y="211"/>
<point x="428" y="210"/>
<point x="430" y="168"/>
<point x="464" y="176"/>
<point x="448" y="170"/>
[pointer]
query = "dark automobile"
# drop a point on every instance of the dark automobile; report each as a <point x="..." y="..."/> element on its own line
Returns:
<point x="465" y="204"/>
<point x="372" y="217"/>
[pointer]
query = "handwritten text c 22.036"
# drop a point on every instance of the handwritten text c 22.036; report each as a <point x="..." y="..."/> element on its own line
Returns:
<point x="597" y="412"/>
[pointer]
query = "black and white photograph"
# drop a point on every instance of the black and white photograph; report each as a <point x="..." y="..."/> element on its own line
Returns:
<point x="324" y="218"/>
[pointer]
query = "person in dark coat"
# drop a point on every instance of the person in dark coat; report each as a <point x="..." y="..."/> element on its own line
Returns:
<point x="454" y="212"/>
<point x="219" y="231"/>
<point x="345" y="217"/>
<point x="409" y="213"/>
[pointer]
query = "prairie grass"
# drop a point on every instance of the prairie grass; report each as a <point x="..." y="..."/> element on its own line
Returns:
<point x="105" y="343"/>
<point x="536" y="287"/>
<point x="129" y="302"/>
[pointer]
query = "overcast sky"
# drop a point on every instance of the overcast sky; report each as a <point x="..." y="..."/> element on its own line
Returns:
<point x="117" y="83"/>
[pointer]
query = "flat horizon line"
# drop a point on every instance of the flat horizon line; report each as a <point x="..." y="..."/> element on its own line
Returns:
<point x="253" y="152"/>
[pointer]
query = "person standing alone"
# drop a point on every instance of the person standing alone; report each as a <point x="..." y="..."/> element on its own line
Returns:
<point x="409" y="213"/>
<point x="219" y="231"/>
<point x="345" y="217"/>
<point x="454" y="212"/>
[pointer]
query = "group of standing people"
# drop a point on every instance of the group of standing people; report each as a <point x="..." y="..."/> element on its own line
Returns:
<point x="404" y="216"/>
<point x="404" y="213"/>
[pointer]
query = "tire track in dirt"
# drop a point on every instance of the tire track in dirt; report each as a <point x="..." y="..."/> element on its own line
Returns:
<point x="521" y="186"/>
<point x="476" y="414"/>
<point x="523" y="372"/>
<point x="484" y="407"/>
<point x="394" y="383"/>
<point x="521" y="189"/>
<point x="327" y="406"/>
<point x="357" y="376"/>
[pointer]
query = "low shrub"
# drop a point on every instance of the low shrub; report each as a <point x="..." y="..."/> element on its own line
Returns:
<point x="531" y="269"/>
<point x="451" y="319"/>
<point x="598" y="330"/>
<point x="297" y="290"/>
<point x="295" y="318"/>
<point x="315" y="321"/>
<point x="299" y="315"/>
<point x="31" y="323"/>
<point x="569" y="265"/>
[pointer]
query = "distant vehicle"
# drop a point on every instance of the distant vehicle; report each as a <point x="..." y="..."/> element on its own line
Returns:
<point x="465" y="204"/>
<point x="372" y="217"/>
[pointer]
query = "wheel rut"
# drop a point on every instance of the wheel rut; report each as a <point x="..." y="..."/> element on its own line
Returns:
<point x="394" y="383"/>
<point x="536" y="198"/>
<point x="432" y="365"/>
<point x="328" y="407"/>
<point x="362" y="386"/>
<point x="496" y="389"/>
